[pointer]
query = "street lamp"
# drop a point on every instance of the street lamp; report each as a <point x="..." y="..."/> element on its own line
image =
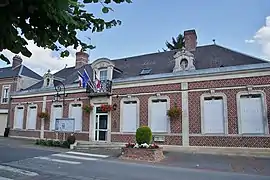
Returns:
<point x="58" y="90"/>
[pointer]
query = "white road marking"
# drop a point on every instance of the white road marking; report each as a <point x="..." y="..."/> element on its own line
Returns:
<point x="20" y="171"/>
<point x="87" y="154"/>
<point x="3" y="178"/>
<point x="58" y="160"/>
<point x="75" y="157"/>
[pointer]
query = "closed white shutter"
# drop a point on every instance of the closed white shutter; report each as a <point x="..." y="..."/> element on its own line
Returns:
<point x="19" y="113"/>
<point x="213" y="117"/>
<point x="159" y="122"/>
<point x="251" y="115"/>
<point x="130" y="116"/>
<point x="76" y="113"/>
<point x="32" y="117"/>
<point x="57" y="112"/>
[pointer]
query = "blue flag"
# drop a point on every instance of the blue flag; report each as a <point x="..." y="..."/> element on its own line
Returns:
<point x="84" y="78"/>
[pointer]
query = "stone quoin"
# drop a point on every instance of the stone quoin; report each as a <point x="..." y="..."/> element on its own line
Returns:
<point x="224" y="97"/>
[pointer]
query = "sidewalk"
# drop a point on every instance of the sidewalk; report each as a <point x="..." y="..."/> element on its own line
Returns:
<point x="235" y="151"/>
<point x="222" y="163"/>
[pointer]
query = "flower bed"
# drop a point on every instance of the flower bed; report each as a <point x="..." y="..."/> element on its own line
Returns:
<point x="143" y="152"/>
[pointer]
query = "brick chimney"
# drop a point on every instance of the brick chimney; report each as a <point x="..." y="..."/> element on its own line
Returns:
<point x="17" y="61"/>
<point x="81" y="59"/>
<point x="190" y="40"/>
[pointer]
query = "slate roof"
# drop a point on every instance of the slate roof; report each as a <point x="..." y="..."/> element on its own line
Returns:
<point x="8" y="72"/>
<point x="208" y="56"/>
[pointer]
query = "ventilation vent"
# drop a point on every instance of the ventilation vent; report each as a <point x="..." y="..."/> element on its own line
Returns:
<point x="145" y="71"/>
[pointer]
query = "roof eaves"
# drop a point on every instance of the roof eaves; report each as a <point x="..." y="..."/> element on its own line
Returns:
<point x="200" y="72"/>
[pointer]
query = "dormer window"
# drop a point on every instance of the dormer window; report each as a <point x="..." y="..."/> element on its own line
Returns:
<point x="145" y="71"/>
<point x="103" y="74"/>
<point x="48" y="79"/>
<point x="48" y="82"/>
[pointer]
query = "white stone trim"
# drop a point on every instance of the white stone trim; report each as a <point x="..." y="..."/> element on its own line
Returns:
<point x="225" y="107"/>
<point x="5" y="86"/>
<point x="96" y="102"/>
<point x="69" y="113"/>
<point x="27" y="116"/>
<point x="70" y="99"/>
<point x="44" y="104"/>
<point x="231" y="135"/>
<point x="154" y="134"/>
<point x="252" y="92"/>
<point x="189" y="79"/>
<point x="185" y="115"/>
<point x="137" y="109"/>
<point x="3" y="111"/>
<point x="150" y="99"/>
<point x="103" y="64"/>
<point x="156" y="82"/>
<point x="15" y="117"/>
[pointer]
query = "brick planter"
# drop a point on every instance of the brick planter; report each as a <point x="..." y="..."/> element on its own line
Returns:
<point x="142" y="154"/>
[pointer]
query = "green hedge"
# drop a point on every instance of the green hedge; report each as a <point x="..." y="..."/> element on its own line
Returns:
<point x="52" y="143"/>
<point x="143" y="135"/>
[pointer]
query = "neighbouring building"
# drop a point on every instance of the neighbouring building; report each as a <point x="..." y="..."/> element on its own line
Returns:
<point x="14" y="78"/>
<point x="224" y="98"/>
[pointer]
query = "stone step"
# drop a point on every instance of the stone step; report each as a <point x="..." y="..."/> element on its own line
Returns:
<point x="86" y="145"/>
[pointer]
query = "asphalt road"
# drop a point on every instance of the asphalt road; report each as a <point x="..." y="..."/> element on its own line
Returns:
<point x="20" y="163"/>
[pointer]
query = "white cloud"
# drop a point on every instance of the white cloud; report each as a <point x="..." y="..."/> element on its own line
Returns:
<point x="43" y="59"/>
<point x="249" y="41"/>
<point x="262" y="37"/>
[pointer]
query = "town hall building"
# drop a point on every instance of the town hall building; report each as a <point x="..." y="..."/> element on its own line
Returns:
<point x="223" y="97"/>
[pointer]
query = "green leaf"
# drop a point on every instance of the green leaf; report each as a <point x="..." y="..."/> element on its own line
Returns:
<point x="87" y="1"/>
<point x="105" y="9"/>
<point x="50" y="24"/>
<point x="65" y="53"/>
<point x="4" y="58"/>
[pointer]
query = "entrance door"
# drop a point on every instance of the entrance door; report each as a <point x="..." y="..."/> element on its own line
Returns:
<point x="3" y="123"/>
<point x="101" y="125"/>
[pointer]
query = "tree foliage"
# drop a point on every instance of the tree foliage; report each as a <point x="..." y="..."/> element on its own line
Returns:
<point x="50" y="24"/>
<point x="177" y="43"/>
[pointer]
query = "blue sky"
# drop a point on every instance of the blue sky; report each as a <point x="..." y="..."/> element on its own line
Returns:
<point x="146" y="25"/>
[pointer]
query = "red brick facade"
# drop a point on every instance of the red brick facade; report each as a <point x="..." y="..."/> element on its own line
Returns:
<point x="230" y="87"/>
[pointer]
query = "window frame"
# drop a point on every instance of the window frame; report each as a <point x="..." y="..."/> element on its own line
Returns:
<point x="69" y="114"/>
<point x="27" y="117"/>
<point x="4" y="87"/>
<point x="264" y="109"/>
<point x="103" y="70"/>
<point x="123" y="100"/>
<point x="225" y="111"/>
<point x="150" y="116"/>
<point x="15" y="117"/>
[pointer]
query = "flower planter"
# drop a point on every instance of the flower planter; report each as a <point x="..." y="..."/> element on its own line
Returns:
<point x="142" y="154"/>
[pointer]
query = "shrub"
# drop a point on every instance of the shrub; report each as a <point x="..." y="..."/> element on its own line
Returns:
<point x="50" y="142"/>
<point x="65" y="144"/>
<point x="56" y="143"/>
<point x="37" y="142"/>
<point x="43" y="142"/>
<point x="143" y="135"/>
<point x="71" y="139"/>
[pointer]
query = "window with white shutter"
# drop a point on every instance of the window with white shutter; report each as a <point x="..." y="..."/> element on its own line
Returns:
<point x="213" y="115"/>
<point x="32" y="117"/>
<point x="130" y="116"/>
<point x="159" y="120"/>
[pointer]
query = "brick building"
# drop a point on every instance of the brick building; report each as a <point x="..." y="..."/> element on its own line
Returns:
<point x="223" y="96"/>
<point x="14" y="78"/>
